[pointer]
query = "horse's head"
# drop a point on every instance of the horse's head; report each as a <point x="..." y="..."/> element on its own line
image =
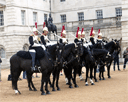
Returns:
<point x="59" y="50"/>
<point x="116" y="45"/>
<point x="87" y="54"/>
<point x="78" y="50"/>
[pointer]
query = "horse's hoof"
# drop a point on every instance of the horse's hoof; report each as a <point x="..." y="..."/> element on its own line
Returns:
<point x="103" y="78"/>
<point x="48" y="92"/>
<point x="76" y="86"/>
<point x="100" y="79"/>
<point x="70" y="87"/>
<point x="53" y="90"/>
<point x="86" y="84"/>
<point x="30" y="89"/>
<point x="35" y="89"/>
<point x="43" y="93"/>
<point x="109" y="77"/>
<point x="58" y="89"/>
<point x="92" y="84"/>
<point x="96" y="80"/>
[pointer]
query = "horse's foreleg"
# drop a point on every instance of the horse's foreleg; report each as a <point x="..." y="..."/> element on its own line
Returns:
<point x="92" y="83"/>
<point x="100" y="74"/>
<point x="108" y="68"/>
<point x="53" y="82"/>
<point x="86" y="80"/>
<point x="103" y="75"/>
<point x="42" y="84"/>
<point x="95" y="73"/>
<point x="46" y="86"/>
<point x="57" y="81"/>
<point x="75" y="85"/>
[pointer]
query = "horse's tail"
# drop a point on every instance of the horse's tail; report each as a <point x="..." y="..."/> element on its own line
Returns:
<point x="14" y="70"/>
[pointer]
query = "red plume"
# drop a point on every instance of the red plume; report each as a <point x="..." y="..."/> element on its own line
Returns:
<point x="99" y="31"/>
<point x="91" y="31"/>
<point x="82" y="30"/>
<point x="63" y="28"/>
<point x="77" y="32"/>
<point x="36" y="24"/>
<point x="44" y="24"/>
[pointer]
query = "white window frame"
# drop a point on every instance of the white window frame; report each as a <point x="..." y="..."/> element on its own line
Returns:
<point x="99" y="14"/>
<point x="23" y="17"/>
<point x="45" y="16"/>
<point x="34" y="17"/>
<point x="63" y="18"/>
<point x="1" y="18"/>
<point x="118" y="12"/>
<point x="81" y="16"/>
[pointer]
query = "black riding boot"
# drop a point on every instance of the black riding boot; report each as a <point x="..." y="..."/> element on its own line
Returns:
<point x="33" y="54"/>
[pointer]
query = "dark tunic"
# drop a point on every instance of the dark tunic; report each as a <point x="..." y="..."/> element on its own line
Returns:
<point x="43" y="40"/>
<point x="31" y="42"/>
<point x="76" y="40"/>
<point x="61" y="41"/>
<point x="92" y="40"/>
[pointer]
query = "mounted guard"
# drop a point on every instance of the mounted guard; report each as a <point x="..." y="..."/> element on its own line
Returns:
<point x="92" y="34"/>
<point x="78" y="36"/>
<point x="63" y="38"/>
<point x="83" y="35"/>
<point x="44" y="37"/>
<point x="99" y="40"/>
<point x="35" y="42"/>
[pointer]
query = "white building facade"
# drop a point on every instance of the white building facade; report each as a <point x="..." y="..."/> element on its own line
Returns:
<point x="17" y="18"/>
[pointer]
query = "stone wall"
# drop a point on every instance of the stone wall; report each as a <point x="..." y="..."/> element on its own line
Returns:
<point x="11" y="45"/>
<point x="124" y="20"/>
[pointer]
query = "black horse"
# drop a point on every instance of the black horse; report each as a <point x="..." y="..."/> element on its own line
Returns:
<point x="71" y="57"/>
<point x="23" y="63"/>
<point x="52" y="51"/>
<point x="110" y="47"/>
<point x="51" y="27"/>
<point x="90" y="58"/>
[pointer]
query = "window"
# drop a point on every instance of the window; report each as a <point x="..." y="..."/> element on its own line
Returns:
<point x="99" y="14"/>
<point x="45" y="16"/>
<point x="2" y="53"/>
<point x="62" y="0"/>
<point x="23" y="17"/>
<point x="63" y="18"/>
<point x="81" y="16"/>
<point x="118" y="12"/>
<point x="1" y="18"/>
<point x="34" y="17"/>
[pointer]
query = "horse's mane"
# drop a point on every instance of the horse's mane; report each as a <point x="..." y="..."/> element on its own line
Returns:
<point x="99" y="51"/>
<point x="51" y="48"/>
<point x="108" y="44"/>
<point x="69" y="46"/>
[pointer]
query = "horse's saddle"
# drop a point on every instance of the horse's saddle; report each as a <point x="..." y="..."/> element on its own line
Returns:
<point x="40" y="53"/>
